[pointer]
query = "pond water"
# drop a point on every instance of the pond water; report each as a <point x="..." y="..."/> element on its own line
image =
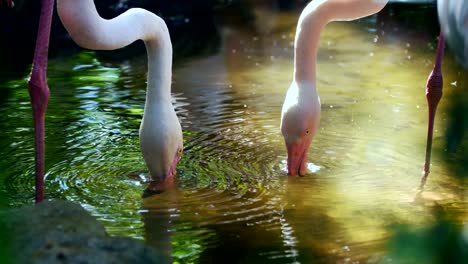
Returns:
<point x="233" y="201"/>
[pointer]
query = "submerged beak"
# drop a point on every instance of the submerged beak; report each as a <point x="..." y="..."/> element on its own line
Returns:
<point x="297" y="157"/>
<point x="166" y="181"/>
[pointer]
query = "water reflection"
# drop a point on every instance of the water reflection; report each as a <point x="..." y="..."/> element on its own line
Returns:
<point x="233" y="200"/>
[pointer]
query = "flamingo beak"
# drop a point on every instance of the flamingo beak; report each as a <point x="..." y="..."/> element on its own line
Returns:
<point x="297" y="157"/>
<point x="167" y="180"/>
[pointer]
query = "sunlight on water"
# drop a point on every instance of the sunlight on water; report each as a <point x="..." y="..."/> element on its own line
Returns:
<point x="233" y="193"/>
<point x="311" y="167"/>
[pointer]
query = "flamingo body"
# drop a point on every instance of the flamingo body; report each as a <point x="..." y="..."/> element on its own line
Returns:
<point x="453" y="18"/>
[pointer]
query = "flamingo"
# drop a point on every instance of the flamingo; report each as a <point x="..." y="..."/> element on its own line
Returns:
<point x="300" y="114"/>
<point x="453" y="19"/>
<point x="160" y="131"/>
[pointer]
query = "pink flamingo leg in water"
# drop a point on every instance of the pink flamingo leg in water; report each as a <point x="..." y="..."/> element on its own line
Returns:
<point x="39" y="91"/>
<point x="433" y="94"/>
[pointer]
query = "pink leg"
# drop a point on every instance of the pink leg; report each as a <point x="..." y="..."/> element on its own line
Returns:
<point x="39" y="91"/>
<point x="433" y="94"/>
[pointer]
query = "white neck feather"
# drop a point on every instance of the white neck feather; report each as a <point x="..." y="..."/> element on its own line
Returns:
<point x="313" y="19"/>
<point x="91" y="31"/>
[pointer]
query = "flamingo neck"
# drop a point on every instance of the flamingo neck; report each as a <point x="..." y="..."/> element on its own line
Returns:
<point x="159" y="71"/>
<point x="306" y="47"/>
<point x="91" y="31"/>
<point x="313" y="19"/>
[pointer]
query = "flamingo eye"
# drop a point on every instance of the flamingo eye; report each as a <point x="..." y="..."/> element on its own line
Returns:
<point x="307" y="131"/>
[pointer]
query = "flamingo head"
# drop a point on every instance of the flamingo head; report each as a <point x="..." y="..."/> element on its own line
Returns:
<point x="162" y="146"/>
<point x="299" y="122"/>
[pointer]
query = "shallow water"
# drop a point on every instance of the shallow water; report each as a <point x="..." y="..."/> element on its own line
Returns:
<point x="234" y="201"/>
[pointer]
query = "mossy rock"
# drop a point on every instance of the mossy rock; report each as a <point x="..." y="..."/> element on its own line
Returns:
<point x="63" y="232"/>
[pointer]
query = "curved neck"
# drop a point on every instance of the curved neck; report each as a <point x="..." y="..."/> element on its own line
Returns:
<point x="313" y="19"/>
<point x="91" y="31"/>
<point x="306" y="45"/>
<point x="159" y="70"/>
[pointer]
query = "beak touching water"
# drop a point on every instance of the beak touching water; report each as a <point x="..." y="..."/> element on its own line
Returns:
<point x="297" y="157"/>
<point x="166" y="181"/>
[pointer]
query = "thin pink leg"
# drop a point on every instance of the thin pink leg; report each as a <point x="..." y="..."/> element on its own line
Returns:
<point x="433" y="94"/>
<point x="39" y="91"/>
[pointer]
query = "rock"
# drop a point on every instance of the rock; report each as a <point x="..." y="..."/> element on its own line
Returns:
<point x="63" y="232"/>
